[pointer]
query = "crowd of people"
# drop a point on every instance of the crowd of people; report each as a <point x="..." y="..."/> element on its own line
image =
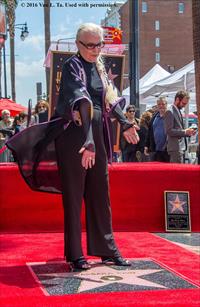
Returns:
<point x="159" y="140"/>
<point x="162" y="132"/>
<point x="9" y="125"/>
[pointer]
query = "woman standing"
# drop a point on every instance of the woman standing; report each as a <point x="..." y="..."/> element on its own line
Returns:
<point x="83" y="147"/>
<point x="129" y="149"/>
<point x="5" y="133"/>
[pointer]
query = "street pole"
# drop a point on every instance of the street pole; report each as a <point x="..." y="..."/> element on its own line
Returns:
<point x="134" y="52"/>
<point x="39" y="90"/>
<point x="4" y="67"/>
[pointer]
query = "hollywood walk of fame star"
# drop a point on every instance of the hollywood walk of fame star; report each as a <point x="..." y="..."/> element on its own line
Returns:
<point x="111" y="76"/>
<point x="177" y="205"/>
<point x="100" y="276"/>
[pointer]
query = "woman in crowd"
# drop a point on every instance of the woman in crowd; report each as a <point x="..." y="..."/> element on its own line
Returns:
<point x="144" y="126"/>
<point x="41" y="111"/>
<point x="5" y="133"/>
<point x="129" y="149"/>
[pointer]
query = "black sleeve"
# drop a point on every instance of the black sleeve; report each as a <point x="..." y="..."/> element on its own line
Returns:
<point x="85" y="113"/>
<point x="147" y="138"/>
<point x="72" y="91"/>
<point x="73" y="96"/>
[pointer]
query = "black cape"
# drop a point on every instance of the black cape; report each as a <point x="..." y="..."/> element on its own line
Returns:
<point x="34" y="147"/>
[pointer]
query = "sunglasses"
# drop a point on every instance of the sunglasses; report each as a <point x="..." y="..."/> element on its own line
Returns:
<point x="91" y="46"/>
<point x="131" y="111"/>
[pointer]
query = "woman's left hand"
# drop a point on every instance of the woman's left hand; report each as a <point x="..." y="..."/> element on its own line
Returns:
<point x="131" y="135"/>
<point x="88" y="158"/>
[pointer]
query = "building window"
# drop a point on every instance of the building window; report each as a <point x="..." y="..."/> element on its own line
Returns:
<point x="144" y="7"/>
<point x="157" y="56"/>
<point x="181" y="8"/>
<point x="157" y="25"/>
<point x="157" y="42"/>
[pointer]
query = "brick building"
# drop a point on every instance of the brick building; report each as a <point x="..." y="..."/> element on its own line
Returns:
<point x="165" y="33"/>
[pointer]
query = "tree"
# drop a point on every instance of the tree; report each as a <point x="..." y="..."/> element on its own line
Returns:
<point x="2" y="37"/>
<point x="10" y="12"/>
<point x="196" y="47"/>
<point x="47" y="39"/>
<point x="2" y="42"/>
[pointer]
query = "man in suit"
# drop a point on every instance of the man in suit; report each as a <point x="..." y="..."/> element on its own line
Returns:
<point x="155" y="142"/>
<point x="175" y="130"/>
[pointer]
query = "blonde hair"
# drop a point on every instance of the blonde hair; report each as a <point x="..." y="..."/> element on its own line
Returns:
<point x="42" y="101"/>
<point x="145" y="118"/>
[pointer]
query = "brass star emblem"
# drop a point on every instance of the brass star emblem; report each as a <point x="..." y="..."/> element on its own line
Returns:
<point x="177" y="205"/>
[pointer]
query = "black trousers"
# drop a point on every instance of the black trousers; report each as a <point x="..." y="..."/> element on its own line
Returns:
<point x="90" y="185"/>
<point x="129" y="153"/>
<point x="162" y="156"/>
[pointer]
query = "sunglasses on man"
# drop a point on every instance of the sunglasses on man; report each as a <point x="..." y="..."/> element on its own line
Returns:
<point x="91" y="46"/>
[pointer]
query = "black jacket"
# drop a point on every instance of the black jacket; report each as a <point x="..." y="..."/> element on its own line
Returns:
<point x="150" y="141"/>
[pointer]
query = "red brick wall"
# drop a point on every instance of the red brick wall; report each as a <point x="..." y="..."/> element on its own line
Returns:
<point x="176" y="47"/>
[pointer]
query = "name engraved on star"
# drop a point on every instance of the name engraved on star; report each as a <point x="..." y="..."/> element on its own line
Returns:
<point x="177" y="211"/>
<point x="55" y="278"/>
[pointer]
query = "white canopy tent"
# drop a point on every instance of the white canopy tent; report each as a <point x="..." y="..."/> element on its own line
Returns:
<point x="182" y="79"/>
<point x="156" y="73"/>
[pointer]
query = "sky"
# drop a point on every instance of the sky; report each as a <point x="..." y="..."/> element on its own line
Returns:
<point x="66" y="16"/>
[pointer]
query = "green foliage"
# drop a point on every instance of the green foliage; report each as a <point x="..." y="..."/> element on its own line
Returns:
<point x="6" y="2"/>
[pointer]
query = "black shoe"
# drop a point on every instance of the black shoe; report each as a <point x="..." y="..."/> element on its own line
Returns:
<point x="116" y="261"/>
<point x="80" y="264"/>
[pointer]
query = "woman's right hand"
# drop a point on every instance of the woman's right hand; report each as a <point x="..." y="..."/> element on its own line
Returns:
<point x="131" y="135"/>
<point x="88" y="158"/>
